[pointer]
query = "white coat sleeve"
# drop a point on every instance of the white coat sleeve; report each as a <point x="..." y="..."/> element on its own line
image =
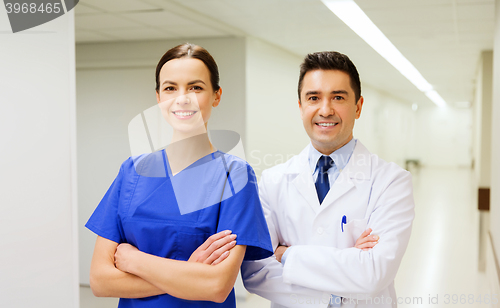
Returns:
<point x="265" y="277"/>
<point x="351" y="271"/>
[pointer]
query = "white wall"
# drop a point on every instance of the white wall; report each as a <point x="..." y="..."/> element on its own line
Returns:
<point x="482" y="119"/>
<point x="38" y="235"/>
<point x="495" y="142"/>
<point x="445" y="137"/>
<point x="437" y="137"/>
<point x="477" y="113"/>
<point x="274" y="129"/>
<point x="387" y="126"/>
<point x="115" y="82"/>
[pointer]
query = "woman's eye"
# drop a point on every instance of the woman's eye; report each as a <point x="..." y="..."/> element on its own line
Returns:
<point x="197" y="88"/>
<point x="169" y="89"/>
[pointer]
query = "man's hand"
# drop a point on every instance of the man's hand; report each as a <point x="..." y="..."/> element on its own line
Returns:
<point x="278" y="253"/>
<point x="215" y="249"/>
<point x="366" y="241"/>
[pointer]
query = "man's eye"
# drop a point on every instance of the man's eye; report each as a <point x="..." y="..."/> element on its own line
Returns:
<point x="313" y="98"/>
<point x="338" y="98"/>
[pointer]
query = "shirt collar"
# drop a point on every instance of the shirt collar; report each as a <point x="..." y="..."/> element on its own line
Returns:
<point x="340" y="157"/>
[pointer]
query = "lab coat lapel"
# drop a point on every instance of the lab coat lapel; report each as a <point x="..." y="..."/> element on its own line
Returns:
<point x="356" y="173"/>
<point x="303" y="180"/>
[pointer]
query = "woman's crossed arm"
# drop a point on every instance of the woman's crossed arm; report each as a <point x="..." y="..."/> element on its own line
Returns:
<point x="187" y="280"/>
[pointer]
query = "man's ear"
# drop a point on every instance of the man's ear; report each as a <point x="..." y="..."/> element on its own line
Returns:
<point x="218" y="95"/>
<point x="359" y="106"/>
<point x="300" y="108"/>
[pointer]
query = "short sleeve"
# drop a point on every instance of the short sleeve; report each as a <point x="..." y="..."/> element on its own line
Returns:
<point x="242" y="214"/>
<point x="105" y="220"/>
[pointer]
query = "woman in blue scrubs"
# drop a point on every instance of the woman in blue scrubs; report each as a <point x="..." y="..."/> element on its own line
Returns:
<point x="163" y="226"/>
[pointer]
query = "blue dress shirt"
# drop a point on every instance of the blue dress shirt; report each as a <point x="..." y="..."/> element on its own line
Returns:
<point x="340" y="157"/>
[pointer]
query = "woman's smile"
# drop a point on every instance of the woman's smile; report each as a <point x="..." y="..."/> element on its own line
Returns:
<point x="184" y="114"/>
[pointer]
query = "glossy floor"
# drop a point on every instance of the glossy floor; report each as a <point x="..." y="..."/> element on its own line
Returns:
<point x="440" y="266"/>
<point x="441" y="263"/>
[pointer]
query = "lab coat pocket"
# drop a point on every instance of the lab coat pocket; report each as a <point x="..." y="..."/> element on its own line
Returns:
<point x="352" y="231"/>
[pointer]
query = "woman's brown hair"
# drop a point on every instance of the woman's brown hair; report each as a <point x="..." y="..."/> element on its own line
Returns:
<point x="188" y="50"/>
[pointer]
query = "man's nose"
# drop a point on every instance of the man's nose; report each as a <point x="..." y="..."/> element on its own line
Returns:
<point x="326" y="108"/>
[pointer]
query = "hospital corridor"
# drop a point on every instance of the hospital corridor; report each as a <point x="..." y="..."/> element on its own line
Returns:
<point x="121" y="122"/>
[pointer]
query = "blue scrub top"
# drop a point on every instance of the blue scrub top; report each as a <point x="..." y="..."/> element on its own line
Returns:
<point x="170" y="216"/>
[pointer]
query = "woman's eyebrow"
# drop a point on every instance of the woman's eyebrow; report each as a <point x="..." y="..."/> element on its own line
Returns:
<point x="168" y="81"/>
<point x="189" y="83"/>
<point x="196" y="81"/>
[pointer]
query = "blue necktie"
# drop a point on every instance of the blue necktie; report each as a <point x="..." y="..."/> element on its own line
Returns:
<point x="322" y="183"/>
<point x="322" y="188"/>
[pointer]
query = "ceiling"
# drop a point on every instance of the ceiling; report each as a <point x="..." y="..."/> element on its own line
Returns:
<point x="442" y="38"/>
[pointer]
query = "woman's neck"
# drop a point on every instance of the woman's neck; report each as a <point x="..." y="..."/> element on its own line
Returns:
<point x="182" y="152"/>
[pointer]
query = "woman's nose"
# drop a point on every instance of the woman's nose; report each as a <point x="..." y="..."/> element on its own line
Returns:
<point x="182" y="100"/>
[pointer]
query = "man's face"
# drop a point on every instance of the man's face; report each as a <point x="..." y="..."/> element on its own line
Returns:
<point x="328" y="109"/>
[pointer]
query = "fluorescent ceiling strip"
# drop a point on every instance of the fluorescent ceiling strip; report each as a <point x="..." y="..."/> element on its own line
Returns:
<point x="436" y="98"/>
<point x="354" y="17"/>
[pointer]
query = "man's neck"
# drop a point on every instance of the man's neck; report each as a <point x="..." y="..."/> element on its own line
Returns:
<point x="328" y="151"/>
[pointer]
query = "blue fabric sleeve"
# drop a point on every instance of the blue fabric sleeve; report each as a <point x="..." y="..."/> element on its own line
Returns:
<point x="105" y="220"/>
<point x="242" y="214"/>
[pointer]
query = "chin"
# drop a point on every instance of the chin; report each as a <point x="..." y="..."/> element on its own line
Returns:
<point x="327" y="139"/>
<point x="185" y="129"/>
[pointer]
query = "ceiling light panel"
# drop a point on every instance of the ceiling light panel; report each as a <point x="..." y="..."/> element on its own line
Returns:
<point x="352" y="15"/>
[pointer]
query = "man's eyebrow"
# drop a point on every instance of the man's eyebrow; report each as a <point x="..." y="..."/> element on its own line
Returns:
<point x="340" y="92"/>
<point x="312" y="93"/>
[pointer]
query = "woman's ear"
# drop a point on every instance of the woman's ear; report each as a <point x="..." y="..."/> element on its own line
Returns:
<point x="218" y="95"/>
<point x="157" y="97"/>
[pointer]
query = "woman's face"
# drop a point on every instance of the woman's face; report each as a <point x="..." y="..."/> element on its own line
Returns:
<point x="186" y="96"/>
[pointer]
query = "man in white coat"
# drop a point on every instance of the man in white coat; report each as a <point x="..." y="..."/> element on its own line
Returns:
<point x="319" y="202"/>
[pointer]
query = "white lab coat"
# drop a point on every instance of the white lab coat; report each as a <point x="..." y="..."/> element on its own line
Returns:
<point x="371" y="193"/>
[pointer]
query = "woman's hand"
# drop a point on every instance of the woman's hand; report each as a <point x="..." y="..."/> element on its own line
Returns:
<point x="215" y="249"/>
<point x="366" y="241"/>
<point x="124" y="257"/>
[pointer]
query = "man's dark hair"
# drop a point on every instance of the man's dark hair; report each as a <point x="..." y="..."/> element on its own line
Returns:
<point x="331" y="60"/>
